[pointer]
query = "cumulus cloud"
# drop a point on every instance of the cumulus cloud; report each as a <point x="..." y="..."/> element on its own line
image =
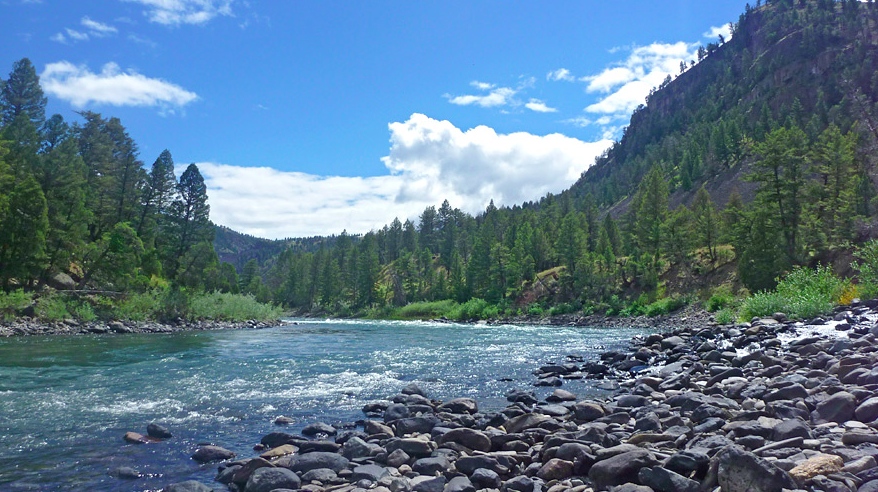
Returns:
<point x="539" y="106"/>
<point x="716" y="31"/>
<point x="560" y="74"/>
<point x="79" y="86"/>
<point x="176" y="12"/>
<point x="429" y="161"/>
<point x="627" y="84"/>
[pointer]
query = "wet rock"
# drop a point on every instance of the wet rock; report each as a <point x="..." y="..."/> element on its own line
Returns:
<point x="278" y="452"/>
<point x="187" y="486"/>
<point x="207" y="454"/>
<point x="460" y="405"/>
<point x="276" y="439"/>
<point x="319" y="428"/>
<point x="358" y="448"/>
<point x="559" y="396"/>
<point x="268" y="479"/>
<point x="413" y="389"/>
<point x="134" y="438"/>
<point x="126" y="473"/>
<point x="158" y="431"/>
<point x="396" y="411"/>
<point x="283" y="420"/>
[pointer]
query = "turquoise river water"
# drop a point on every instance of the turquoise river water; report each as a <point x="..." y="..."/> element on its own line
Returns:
<point x="66" y="401"/>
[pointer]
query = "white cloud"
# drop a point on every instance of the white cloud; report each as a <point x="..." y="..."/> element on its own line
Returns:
<point x="716" y="31"/>
<point x="539" y="106"/>
<point x="176" y="12"/>
<point x="628" y="83"/>
<point x="560" y="74"/>
<point x="79" y="86"/>
<point x="498" y="96"/>
<point x="429" y="161"/>
<point x="77" y="35"/>
<point x="98" y="28"/>
<point x="59" y="38"/>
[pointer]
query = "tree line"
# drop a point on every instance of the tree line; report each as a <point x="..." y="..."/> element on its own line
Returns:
<point x="76" y="200"/>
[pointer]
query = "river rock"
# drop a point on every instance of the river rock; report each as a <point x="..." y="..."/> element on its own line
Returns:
<point x="823" y="464"/>
<point x="126" y="473"/>
<point x="279" y="451"/>
<point x="242" y="474"/>
<point x="134" y="438"/>
<point x="358" y="448"/>
<point x="372" y="473"/>
<point x="586" y="411"/>
<point x="158" y="431"/>
<point x="555" y="469"/>
<point x="485" y="479"/>
<point x="520" y="483"/>
<point x="323" y="475"/>
<point x="621" y="468"/>
<point x="469" y="464"/>
<point x="398" y="458"/>
<point x="395" y="411"/>
<point x="311" y="461"/>
<point x="662" y="480"/>
<point x="428" y="484"/>
<point x="469" y="438"/>
<point x="187" y="486"/>
<point x="868" y="410"/>
<point x="789" y="429"/>
<point x="413" y="389"/>
<point x="839" y="408"/>
<point x="559" y="396"/>
<point x="412" y="425"/>
<point x="413" y="447"/>
<point x="207" y="454"/>
<point x="268" y="479"/>
<point x="459" y="484"/>
<point x="742" y="471"/>
<point x="431" y="466"/>
<point x="459" y="405"/>
<point x="276" y="439"/>
<point x="319" y="428"/>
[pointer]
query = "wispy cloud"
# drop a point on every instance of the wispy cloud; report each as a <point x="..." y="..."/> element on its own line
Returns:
<point x="93" y="29"/>
<point x="493" y="96"/>
<point x="80" y="87"/>
<point x="429" y="161"/>
<point x="539" y="106"/>
<point x="176" y="12"/>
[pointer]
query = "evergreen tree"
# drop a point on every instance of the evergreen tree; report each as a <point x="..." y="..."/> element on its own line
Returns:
<point x="22" y="95"/>
<point x="188" y="217"/>
<point x="23" y="225"/>
<point x="705" y="222"/>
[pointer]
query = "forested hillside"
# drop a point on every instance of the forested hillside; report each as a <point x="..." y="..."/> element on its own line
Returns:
<point x="758" y="157"/>
<point x="80" y="212"/>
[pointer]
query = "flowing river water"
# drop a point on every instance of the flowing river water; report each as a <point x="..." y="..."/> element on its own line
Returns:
<point x="66" y="401"/>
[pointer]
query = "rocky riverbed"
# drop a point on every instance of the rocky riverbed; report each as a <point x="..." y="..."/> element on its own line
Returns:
<point x="27" y="326"/>
<point x="769" y="405"/>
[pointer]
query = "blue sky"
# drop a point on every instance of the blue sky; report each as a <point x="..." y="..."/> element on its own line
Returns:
<point x="308" y="118"/>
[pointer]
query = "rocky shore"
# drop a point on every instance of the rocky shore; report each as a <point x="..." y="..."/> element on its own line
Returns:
<point x="769" y="405"/>
<point x="28" y="326"/>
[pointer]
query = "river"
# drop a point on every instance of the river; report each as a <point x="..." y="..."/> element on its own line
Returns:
<point x="66" y="401"/>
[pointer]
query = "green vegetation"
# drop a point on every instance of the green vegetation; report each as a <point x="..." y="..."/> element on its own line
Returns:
<point x="80" y="212"/>
<point x="804" y="293"/>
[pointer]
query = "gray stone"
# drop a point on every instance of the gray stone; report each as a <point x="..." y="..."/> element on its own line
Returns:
<point x="485" y="479"/>
<point x="358" y="448"/>
<point x="459" y="484"/>
<point x="470" y="438"/>
<point x="276" y="439"/>
<point x="559" y="396"/>
<point x="413" y="389"/>
<point x="839" y="408"/>
<point x="206" y="454"/>
<point x="460" y="405"/>
<point x="420" y="425"/>
<point x="303" y="463"/>
<point x="662" y="480"/>
<point x="518" y="484"/>
<point x="322" y="475"/>
<point x="428" y="484"/>
<point x="469" y="464"/>
<point x="789" y="429"/>
<point x="398" y="458"/>
<point x="319" y="428"/>
<point x="187" y="486"/>
<point x="588" y="411"/>
<point x="621" y="468"/>
<point x="555" y="469"/>
<point x="268" y="479"/>
<point x="126" y="473"/>
<point x="868" y="410"/>
<point x="688" y="461"/>
<point x="396" y="411"/>
<point x="431" y="466"/>
<point x="742" y="471"/>
<point x="372" y="473"/>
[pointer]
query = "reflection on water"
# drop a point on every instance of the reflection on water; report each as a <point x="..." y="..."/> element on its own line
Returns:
<point x="66" y="401"/>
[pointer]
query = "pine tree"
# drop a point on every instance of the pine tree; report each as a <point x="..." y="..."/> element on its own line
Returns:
<point x="189" y="222"/>
<point x="23" y="226"/>
<point x="22" y="95"/>
<point x="705" y="222"/>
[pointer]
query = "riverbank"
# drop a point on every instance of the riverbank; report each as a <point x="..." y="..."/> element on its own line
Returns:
<point x="31" y="327"/>
<point x="767" y="405"/>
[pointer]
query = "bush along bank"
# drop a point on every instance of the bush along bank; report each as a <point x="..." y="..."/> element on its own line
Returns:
<point x="762" y="406"/>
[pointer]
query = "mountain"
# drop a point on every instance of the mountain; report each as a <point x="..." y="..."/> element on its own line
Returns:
<point x="759" y="158"/>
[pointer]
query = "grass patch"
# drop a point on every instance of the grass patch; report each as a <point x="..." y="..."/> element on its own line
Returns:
<point x="13" y="302"/>
<point x="221" y="306"/>
<point x="425" y="310"/>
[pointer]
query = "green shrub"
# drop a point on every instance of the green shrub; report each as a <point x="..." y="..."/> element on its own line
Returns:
<point x="664" y="306"/>
<point x="472" y="309"/>
<point x="803" y="293"/>
<point x="139" y="306"/>
<point x="52" y="308"/>
<point x="721" y="298"/>
<point x="230" y="307"/>
<point x="724" y="316"/>
<point x="83" y="311"/>
<point x="13" y="302"/>
<point x="535" y="310"/>
<point x="563" y="308"/>
<point x="867" y="267"/>
<point x="426" y="310"/>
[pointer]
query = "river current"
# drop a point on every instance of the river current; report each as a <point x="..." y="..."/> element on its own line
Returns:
<point x="66" y="401"/>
